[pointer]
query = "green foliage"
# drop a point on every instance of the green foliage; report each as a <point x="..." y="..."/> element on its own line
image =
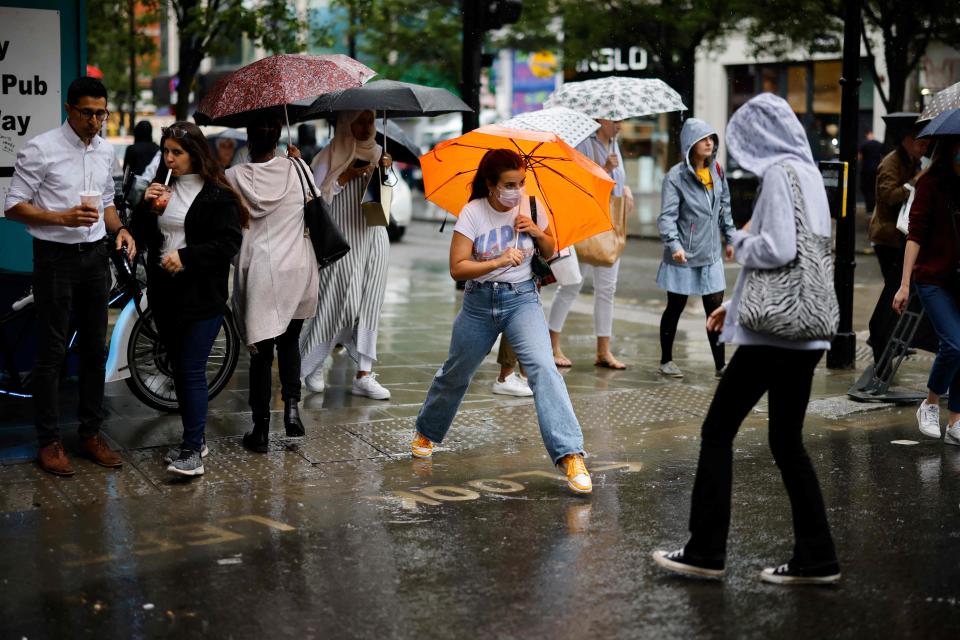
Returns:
<point x="213" y="27"/>
<point x="901" y="32"/>
<point x="110" y="41"/>
<point x="408" y="40"/>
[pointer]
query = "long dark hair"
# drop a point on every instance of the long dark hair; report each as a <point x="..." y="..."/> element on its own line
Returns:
<point x="492" y="164"/>
<point x="191" y="138"/>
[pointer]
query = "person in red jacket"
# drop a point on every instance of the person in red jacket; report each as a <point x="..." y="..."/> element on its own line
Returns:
<point x="932" y="262"/>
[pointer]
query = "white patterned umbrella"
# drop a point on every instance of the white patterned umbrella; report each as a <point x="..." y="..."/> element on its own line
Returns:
<point x="571" y="126"/>
<point x="617" y="98"/>
<point x="942" y="101"/>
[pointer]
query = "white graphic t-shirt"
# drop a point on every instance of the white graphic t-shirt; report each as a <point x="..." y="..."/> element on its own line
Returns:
<point x="492" y="233"/>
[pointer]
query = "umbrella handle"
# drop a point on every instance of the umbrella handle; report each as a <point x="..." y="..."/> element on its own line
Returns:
<point x="287" y="118"/>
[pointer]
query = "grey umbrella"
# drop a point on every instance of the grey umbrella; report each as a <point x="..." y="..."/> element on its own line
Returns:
<point x="391" y="98"/>
<point x="402" y="148"/>
<point x="617" y="98"/>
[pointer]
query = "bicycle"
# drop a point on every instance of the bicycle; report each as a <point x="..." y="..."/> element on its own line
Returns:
<point x="135" y="354"/>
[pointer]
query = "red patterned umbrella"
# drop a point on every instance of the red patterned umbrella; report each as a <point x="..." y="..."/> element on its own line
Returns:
<point x="277" y="82"/>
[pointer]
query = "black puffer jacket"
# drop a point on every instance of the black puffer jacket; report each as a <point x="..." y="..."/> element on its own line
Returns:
<point x="212" y="228"/>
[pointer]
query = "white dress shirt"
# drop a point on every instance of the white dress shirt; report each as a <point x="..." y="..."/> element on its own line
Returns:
<point x="185" y="190"/>
<point x="51" y="171"/>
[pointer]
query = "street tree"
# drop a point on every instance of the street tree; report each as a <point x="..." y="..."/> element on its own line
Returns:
<point x="118" y="43"/>
<point x="408" y="40"/>
<point x="901" y="30"/>
<point x="211" y="27"/>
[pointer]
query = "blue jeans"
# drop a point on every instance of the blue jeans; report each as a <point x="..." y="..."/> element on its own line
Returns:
<point x="189" y="343"/>
<point x="941" y="307"/>
<point x="491" y="308"/>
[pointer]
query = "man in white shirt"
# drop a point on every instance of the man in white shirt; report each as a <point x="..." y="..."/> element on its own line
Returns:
<point x="70" y="264"/>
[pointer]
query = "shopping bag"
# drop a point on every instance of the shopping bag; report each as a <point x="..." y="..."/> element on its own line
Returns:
<point x="376" y="201"/>
<point x="604" y="249"/>
<point x="903" y="218"/>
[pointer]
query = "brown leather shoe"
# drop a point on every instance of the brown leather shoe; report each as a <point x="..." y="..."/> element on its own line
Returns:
<point x="52" y="459"/>
<point x="97" y="450"/>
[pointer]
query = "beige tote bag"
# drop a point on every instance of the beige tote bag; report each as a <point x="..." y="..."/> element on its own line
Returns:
<point x="604" y="249"/>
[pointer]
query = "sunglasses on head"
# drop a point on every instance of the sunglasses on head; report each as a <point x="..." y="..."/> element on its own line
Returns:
<point x="174" y="131"/>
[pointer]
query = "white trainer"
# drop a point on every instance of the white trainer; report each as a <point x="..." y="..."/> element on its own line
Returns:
<point x="369" y="387"/>
<point x="316" y="381"/>
<point x="513" y="385"/>
<point x="928" y="419"/>
<point x="952" y="436"/>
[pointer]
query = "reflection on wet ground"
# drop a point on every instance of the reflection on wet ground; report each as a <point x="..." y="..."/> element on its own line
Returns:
<point x="343" y="535"/>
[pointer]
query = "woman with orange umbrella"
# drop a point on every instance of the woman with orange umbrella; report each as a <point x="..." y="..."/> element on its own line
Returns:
<point x="494" y="242"/>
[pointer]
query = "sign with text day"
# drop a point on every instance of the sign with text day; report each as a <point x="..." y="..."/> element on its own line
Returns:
<point x="29" y="81"/>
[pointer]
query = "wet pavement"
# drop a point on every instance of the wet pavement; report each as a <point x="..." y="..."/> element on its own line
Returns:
<point x="343" y="535"/>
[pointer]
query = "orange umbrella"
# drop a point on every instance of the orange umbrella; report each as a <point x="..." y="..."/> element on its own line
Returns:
<point x="575" y="191"/>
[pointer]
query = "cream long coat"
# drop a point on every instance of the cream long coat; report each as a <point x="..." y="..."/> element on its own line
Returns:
<point x="276" y="278"/>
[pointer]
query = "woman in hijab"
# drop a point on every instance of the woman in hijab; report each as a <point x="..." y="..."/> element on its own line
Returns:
<point x="276" y="280"/>
<point x="766" y="139"/>
<point x="351" y="289"/>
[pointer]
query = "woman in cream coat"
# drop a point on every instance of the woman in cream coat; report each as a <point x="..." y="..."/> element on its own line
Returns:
<point x="276" y="279"/>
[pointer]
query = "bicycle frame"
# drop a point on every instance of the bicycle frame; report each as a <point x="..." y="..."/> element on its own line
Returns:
<point x="118" y="368"/>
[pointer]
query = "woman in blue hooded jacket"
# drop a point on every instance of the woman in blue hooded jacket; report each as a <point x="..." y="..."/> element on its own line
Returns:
<point x="695" y="224"/>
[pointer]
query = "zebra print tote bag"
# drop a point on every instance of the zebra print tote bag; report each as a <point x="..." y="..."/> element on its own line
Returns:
<point x="796" y="301"/>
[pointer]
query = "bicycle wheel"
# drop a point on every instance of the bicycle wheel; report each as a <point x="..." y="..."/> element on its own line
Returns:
<point x="151" y="377"/>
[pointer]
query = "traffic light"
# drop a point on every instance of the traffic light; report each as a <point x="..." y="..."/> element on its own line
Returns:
<point x="495" y="14"/>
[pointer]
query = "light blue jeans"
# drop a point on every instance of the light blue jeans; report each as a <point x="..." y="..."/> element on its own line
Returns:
<point x="489" y="309"/>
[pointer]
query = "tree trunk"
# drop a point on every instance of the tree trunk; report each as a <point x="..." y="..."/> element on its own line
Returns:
<point x="190" y="59"/>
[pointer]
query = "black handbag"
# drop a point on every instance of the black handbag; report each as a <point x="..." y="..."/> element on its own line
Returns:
<point x="328" y="242"/>
<point x="542" y="273"/>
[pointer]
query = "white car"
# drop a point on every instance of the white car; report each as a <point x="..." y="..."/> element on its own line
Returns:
<point x="401" y="210"/>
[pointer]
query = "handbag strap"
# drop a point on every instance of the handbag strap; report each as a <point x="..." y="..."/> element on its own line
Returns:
<point x="301" y="174"/>
<point x="800" y="206"/>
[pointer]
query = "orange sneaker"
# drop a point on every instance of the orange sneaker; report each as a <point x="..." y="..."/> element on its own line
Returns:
<point x="578" y="478"/>
<point x="422" y="447"/>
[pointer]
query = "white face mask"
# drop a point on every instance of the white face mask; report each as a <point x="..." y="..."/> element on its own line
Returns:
<point x="509" y="197"/>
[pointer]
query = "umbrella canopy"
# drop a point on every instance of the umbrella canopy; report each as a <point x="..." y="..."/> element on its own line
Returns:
<point x="942" y="101"/>
<point x="401" y="147"/>
<point x="617" y="98"/>
<point x="945" y="124"/>
<point x="575" y="191"/>
<point x="572" y="126"/>
<point x="397" y="99"/>
<point x="276" y="82"/>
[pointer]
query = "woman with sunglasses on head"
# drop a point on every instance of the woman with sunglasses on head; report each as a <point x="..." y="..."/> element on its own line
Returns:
<point x="192" y="233"/>
<point x="276" y="279"/>
<point x="492" y="250"/>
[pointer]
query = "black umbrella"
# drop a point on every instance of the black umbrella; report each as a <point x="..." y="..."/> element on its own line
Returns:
<point x="397" y="99"/>
<point x="402" y="148"/>
<point x="945" y="124"/>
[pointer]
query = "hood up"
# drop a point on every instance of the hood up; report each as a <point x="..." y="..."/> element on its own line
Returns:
<point x="765" y="132"/>
<point x="694" y="130"/>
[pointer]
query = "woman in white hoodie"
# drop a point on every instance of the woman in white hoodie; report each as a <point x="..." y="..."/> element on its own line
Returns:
<point x="276" y="279"/>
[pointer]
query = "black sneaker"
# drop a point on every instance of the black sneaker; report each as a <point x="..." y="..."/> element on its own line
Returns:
<point x="675" y="562"/>
<point x="189" y="463"/>
<point x="787" y="574"/>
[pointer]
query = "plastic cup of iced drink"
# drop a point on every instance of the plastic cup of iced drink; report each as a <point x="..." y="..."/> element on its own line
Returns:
<point x="160" y="204"/>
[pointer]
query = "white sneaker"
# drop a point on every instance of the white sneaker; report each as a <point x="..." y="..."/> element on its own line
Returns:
<point x="316" y="381"/>
<point x="670" y="370"/>
<point x="513" y="385"/>
<point x="928" y="419"/>
<point x="952" y="436"/>
<point x="369" y="387"/>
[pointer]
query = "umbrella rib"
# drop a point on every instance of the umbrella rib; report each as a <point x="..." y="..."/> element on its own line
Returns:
<point x="448" y="180"/>
<point x="549" y="168"/>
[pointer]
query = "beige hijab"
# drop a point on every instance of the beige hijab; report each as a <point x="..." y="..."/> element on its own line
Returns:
<point x="345" y="150"/>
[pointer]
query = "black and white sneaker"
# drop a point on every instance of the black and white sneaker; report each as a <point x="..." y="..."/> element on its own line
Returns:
<point x="786" y="574"/>
<point x="675" y="562"/>
<point x="188" y="463"/>
<point x="174" y="453"/>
